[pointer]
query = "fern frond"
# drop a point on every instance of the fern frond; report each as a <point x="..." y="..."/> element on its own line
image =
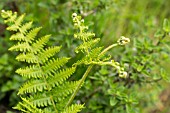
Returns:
<point x="48" y="93"/>
<point x="19" y="20"/>
<point x="54" y="64"/>
<point x="65" y="89"/>
<point x="24" y="28"/>
<point x="32" y="34"/>
<point x="18" y="36"/>
<point x="94" y="54"/>
<point x="74" y="108"/>
<point x="32" y="86"/>
<point x="27" y="107"/>
<point x="87" y="45"/>
<point x="61" y="76"/>
<point x="28" y="57"/>
<point x="85" y="36"/>
<point x="13" y="27"/>
<point x="39" y="44"/>
<point x="48" y="52"/>
<point x="6" y="14"/>
<point x="40" y="100"/>
<point x="59" y="93"/>
<point x="21" y="46"/>
<point x="10" y="17"/>
<point x="30" y="72"/>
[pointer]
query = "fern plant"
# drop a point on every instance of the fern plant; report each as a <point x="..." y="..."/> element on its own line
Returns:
<point x="46" y="77"/>
<point x="47" y="88"/>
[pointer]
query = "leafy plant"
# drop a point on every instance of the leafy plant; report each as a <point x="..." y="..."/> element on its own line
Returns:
<point x="47" y="88"/>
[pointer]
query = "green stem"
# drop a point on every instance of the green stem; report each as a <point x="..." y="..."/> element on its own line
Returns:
<point x="110" y="47"/>
<point x="79" y="85"/>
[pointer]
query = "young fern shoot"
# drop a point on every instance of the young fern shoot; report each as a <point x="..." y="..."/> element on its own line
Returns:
<point x="93" y="55"/>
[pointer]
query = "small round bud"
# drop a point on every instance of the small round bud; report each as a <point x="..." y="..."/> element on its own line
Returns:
<point x="74" y="15"/>
<point x="82" y="21"/>
<point x="123" y="40"/>
<point x="123" y="74"/>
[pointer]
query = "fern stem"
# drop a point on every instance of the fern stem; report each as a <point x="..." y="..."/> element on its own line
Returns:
<point x="110" y="47"/>
<point x="79" y="85"/>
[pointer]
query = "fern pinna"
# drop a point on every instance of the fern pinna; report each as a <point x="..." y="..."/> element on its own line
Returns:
<point x="46" y="88"/>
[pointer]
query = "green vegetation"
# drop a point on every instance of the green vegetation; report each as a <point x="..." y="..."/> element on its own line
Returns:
<point x="135" y="81"/>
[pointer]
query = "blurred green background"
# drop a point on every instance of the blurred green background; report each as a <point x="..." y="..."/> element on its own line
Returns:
<point x="144" y="59"/>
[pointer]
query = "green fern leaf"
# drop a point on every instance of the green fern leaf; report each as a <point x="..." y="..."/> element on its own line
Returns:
<point x="6" y="14"/>
<point x="61" y="76"/>
<point x="48" y="52"/>
<point x="32" y="34"/>
<point x="59" y="93"/>
<point x="13" y="27"/>
<point x="84" y="36"/>
<point x="87" y="45"/>
<point x="27" y="107"/>
<point x="11" y="17"/>
<point x="75" y="108"/>
<point x="30" y="72"/>
<point x="29" y="57"/>
<point x="40" y="100"/>
<point x="23" y="47"/>
<point x="39" y="44"/>
<point x="54" y="64"/>
<point x="94" y="54"/>
<point x="24" y="28"/>
<point x="41" y="90"/>
<point x="19" y="20"/>
<point x="65" y="89"/>
<point x="18" y="36"/>
<point x="32" y="86"/>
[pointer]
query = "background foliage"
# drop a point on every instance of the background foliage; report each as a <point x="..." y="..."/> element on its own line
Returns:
<point x="146" y="59"/>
